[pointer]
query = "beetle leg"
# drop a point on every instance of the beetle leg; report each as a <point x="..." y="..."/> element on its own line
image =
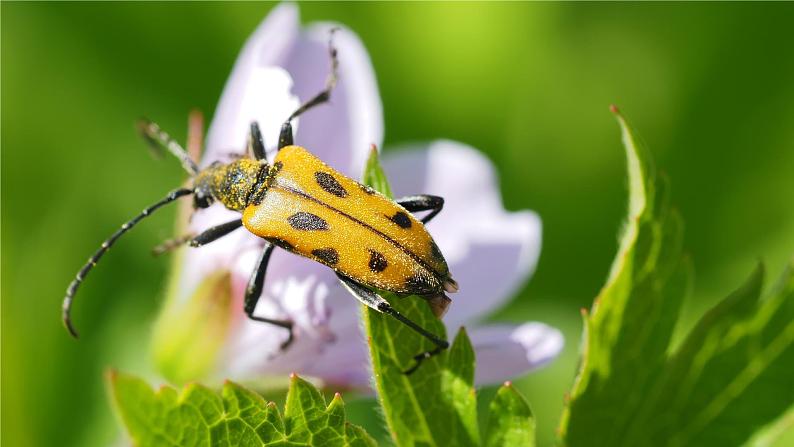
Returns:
<point x="256" y="143"/>
<point x="216" y="232"/>
<point x="375" y="301"/>
<point x="286" y="137"/>
<point x="422" y="202"/>
<point x="171" y="244"/>
<point x="254" y="291"/>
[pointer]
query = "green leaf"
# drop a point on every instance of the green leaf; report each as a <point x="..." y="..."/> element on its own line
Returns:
<point x="374" y="176"/>
<point x="628" y="329"/>
<point x="510" y="422"/>
<point x="729" y="378"/>
<point x="457" y="385"/>
<point x="199" y="416"/>
<point x="436" y="405"/>
<point x="734" y="373"/>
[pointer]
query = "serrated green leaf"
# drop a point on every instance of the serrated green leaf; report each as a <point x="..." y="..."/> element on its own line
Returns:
<point x="730" y="377"/>
<point x="510" y="420"/>
<point x="237" y="417"/>
<point x="733" y="374"/>
<point x="629" y="327"/>
<point x="436" y="405"/>
<point x="307" y="419"/>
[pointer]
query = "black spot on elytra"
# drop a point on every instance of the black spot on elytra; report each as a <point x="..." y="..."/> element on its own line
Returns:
<point x="421" y="283"/>
<point x="281" y="243"/>
<point x="327" y="255"/>
<point x="401" y="219"/>
<point x="329" y="184"/>
<point x="377" y="262"/>
<point x="307" y="222"/>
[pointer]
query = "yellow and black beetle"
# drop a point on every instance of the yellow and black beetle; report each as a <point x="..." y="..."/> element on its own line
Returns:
<point x="302" y="205"/>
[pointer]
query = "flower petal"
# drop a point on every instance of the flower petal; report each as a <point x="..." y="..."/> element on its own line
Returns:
<point x="505" y="351"/>
<point x="328" y="340"/>
<point x="342" y="132"/>
<point x="258" y="89"/>
<point x="491" y="252"/>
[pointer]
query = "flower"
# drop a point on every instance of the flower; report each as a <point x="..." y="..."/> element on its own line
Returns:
<point x="491" y="252"/>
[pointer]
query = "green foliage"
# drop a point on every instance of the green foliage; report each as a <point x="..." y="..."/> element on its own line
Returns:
<point x="731" y="375"/>
<point x="437" y="404"/>
<point x="511" y="422"/>
<point x="374" y="175"/>
<point x="199" y="416"/>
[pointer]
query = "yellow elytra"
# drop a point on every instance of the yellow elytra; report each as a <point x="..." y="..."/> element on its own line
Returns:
<point x="314" y="211"/>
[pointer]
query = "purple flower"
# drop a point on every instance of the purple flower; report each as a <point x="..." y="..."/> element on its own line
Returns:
<point x="491" y="252"/>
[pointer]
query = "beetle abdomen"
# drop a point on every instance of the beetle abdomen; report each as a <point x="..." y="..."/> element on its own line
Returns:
<point x="316" y="212"/>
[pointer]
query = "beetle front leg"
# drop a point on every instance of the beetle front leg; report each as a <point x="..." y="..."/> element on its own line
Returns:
<point x="256" y="144"/>
<point x="254" y="291"/>
<point x="422" y="202"/>
<point x="286" y="137"/>
<point x="375" y="301"/>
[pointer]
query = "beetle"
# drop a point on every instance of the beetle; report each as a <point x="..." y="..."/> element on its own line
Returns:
<point x="300" y="204"/>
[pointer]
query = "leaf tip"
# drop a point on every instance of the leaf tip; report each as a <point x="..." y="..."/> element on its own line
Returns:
<point x="614" y="109"/>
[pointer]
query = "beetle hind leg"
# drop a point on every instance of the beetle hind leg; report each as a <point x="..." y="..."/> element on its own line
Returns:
<point x="375" y="301"/>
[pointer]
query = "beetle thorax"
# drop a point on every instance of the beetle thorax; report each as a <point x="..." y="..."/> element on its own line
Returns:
<point x="232" y="184"/>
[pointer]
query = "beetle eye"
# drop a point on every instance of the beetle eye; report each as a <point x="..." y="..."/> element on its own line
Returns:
<point x="200" y="201"/>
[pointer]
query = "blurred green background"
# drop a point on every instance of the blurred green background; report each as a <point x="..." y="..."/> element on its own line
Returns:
<point x="709" y="86"/>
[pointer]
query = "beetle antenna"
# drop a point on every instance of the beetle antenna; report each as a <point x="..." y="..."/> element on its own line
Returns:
<point x="158" y="139"/>
<point x="67" y="301"/>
